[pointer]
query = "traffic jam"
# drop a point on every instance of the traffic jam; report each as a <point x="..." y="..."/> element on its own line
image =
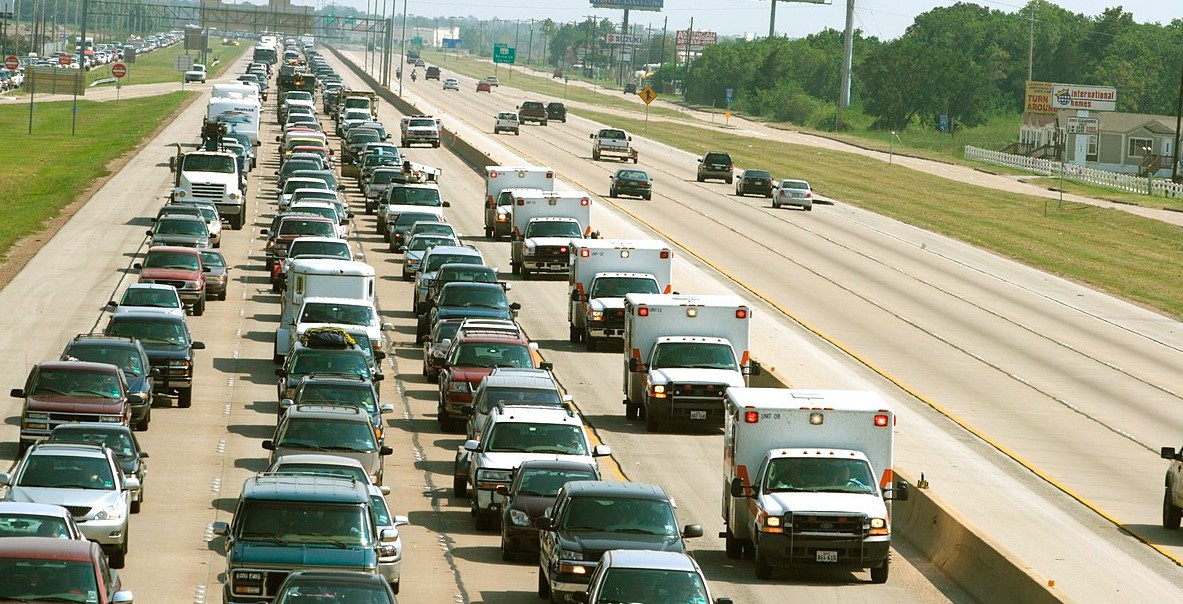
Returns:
<point x="808" y="472"/>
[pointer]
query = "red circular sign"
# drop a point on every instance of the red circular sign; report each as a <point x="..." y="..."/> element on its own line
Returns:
<point x="119" y="70"/>
<point x="11" y="62"/>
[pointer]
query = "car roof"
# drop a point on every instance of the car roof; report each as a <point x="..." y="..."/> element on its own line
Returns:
<point x="77" y="365"/>
<point x="32" y="509"/>
<point x="174" y="248"/>
<point x="596" y="488"/>
<point x="319" y="459"/>
<point x="519" y="382"/>
<point x="48" y="548"/>
<point x="527" y="413"/>
<point x="472" y="284"/>
<point x="304" y="487"/>
<point x="67" y="449"/>
<point x="325" y="411"/>
<point x="98" y="339"/>
<point x="556" y="464"/>
<point x="651" y="559"/>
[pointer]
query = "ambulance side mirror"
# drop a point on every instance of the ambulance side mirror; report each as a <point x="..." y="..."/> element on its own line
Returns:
<point x="575" y="296"/>
<point x="738" y="489"/>
<point x="635" y="364"/>
<point x="897" y="493"/>
<point x="753" y="368"/>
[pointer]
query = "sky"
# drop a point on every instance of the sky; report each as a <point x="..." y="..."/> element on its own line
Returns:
<point x="885" y="19"/>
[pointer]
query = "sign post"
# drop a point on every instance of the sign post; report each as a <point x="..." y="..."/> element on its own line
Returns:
<point x="11" y="63"/>
<point x="648" y="95"/>
<point x="118" y="71"/>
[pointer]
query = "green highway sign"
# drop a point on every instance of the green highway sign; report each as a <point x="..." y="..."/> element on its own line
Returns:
<point x="504" y="54"/>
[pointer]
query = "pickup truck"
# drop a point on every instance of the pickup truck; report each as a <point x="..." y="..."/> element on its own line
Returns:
<point x="422" y="129"/>
<point x="532" y="111"/>
<point x="613" y="142"/>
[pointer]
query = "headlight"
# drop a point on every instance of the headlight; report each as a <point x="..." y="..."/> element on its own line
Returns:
<point x="460" y="387"/>
<point x="658" y="391"/>
<point x="878" y="526"/>
<point x="519" y="518"/>
<point x="114" y="511"/>
<point x="179" y="194"/>
<point x="179" y="364"/>
<point x="596" y="315"/>
<point x="35" y="416"/>
<point x="492" y="475"/>
<point x="110" y="419"/>
<point x="567" y="554"/>
<point x="191" y="285"/>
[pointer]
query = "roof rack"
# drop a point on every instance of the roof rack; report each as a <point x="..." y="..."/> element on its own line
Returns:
<point x="337" y="375"/>
<point x="565" y="406"/>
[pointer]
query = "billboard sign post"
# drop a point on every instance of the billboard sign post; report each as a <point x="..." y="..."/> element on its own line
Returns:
<point x="653" y="5"/>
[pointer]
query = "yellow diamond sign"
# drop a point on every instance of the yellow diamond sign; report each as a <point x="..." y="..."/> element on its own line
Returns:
<point x="647" y="94"/>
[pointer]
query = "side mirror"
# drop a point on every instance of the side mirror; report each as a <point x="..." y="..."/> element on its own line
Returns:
<point x="544" y="523"/>
<point x="601" y="451"/>
<point x="112" y="305"/>
<point x="515" y="306"/>
<point x="471" y="445"/>
<point x="502" y="490"/>
<point x="754" y="367"/>
<point x="286" y="403"/>
<point x="172" y="163"/>
<point x="280" y="372"/>
<point x="16" y="393"/>
<point x="131" y="483"/>
<point x="388" y="536"/>
<point x="738" y="489"/>
<point x="592" y="136"/>
<point x="269" y="445"/>
<point x="149" y="231"/>
<point x="580" y="597"/>
<point x="546" y="366"/>
<point x="466" y="409"/>
<point x="385" y="451"/>
<point x="635" y="365"/>
<point x="220" y="528"/>
<point x="154" y="372"/>
<point x="380" y="355"/>
<point x="379" y="377"/>
<point x="691" y="530"/>
<point x="899" y="492"/>
<point x="447" y="204"/>
<point x="386" y="408"/>
<point x="1167" y="453"/>
<point x="197" y="345"/>
<point x="206" y="269"/>
<point x="630" y="138"/>
<point x="144" y="455"/>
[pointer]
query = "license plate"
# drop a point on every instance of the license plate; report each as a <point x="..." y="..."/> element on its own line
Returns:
<point x="698" y="415"/>
<point x="827" y="556"/>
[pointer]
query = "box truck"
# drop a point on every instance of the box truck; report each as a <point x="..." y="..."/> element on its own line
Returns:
<point x="499" y="204"/>
<point x="544" y="224"/>
<point x="602" y="273"/>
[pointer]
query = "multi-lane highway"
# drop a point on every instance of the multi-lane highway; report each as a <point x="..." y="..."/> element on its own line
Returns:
<point x="1077" y="385"/>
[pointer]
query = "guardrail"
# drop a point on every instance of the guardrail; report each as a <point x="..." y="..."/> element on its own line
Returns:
<point x="984" y="569"/>
<point x="1114" y="180"/>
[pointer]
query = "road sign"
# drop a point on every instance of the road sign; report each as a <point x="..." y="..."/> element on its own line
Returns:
<point x="11" y="62"/>
<point x="730" y="91"/>
<point x="1083" y="125"/>
<point x="183" y="63"/>
<point x="65" y="60"/>
<point x="118" y="70"/>
<point x="647" y="94"/>
<point x="504" y="54"/>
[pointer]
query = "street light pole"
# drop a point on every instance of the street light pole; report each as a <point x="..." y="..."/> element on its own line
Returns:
<point x="1178" y="123"/>
<point x="81" y="70"/>
<point x="402" y="60"/>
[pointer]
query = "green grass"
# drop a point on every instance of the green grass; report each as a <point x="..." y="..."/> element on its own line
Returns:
<point x="49" y="169"/>
<point x="159" y="66"/>
<point x="1111" y="250"/>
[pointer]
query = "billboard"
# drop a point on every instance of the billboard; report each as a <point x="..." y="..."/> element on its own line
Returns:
<point x="1038" y="98"/>
<point x="696" y="38"/>
<point x="654" y="5"/>
<point x="1091" y="98"/>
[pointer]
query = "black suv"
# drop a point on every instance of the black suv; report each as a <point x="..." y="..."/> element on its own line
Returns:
<point x="754" y="181"/>
<point x="716" y="165"/>
<point x="169" y="345"/>
<point x="556" y="111"/>
<point x="590" y="517"/>
<point x="532" y="111"/>
<point x="126" y="354"/>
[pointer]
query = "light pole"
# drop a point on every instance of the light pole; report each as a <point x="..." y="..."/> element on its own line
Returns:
<point x="81" y="69"/>
<point x="402" y="59"/>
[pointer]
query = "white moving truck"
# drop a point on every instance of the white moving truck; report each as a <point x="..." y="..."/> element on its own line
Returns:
<point x="210" y="176"/>
<point x="499" y="203"/>
<point x="807" y="476"/>
<point x="316" y="278"/>
<point x="602" y="273"/>
<point x="544" y="224"/>
<point x="681" y="354"/>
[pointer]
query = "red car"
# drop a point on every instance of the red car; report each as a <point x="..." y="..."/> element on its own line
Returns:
<point x="483" y="86"/>
<point x="473" y="356"/>
<point x="56" y="570"/>
<point x="180" y="267"/>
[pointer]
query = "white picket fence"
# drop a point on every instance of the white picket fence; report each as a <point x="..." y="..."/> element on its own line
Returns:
<point x="1114" y="180"/>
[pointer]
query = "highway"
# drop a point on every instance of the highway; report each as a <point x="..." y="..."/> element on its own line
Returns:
<point x="1076" y="384"/>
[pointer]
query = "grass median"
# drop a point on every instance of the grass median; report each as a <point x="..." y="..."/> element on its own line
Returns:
<point x="160" y="66"/>
<point x="1110" y="250"/>
<point x="48" y="170"/>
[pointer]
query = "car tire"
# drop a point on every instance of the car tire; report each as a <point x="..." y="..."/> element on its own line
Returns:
<point x="185" y="397"/>
<point x="808" y="208"/>
<point x="775" y="204"/>
<point x="483" y="522"/>
<point x="611" y="192"/>
<point x="595" y="155"/>
<point x="649" y="197"/>
<point x="199" y="306"/>
<point x="734" y="546"/>
<point x="632" y="411"/>
<point x="142" y="425"/>
<point x="651" y="424"/>
<point x="574" y="334"/>
<point x="730" y="180"/>
<point x="507" y="555"/>
<point x="763" y="568"/>
<point x="880" y="573"/>
<point x="1171" y="514"/>
<point x="700" y="178"/>
<point x="459" y="486"/>
<point x="543" y="584"/>
<point x="118" y="558"/>
<point x="237" y="220"/>
<point x="394" y="587"/>
<point x="135" y="507"/>
<point x="589" y="342"/>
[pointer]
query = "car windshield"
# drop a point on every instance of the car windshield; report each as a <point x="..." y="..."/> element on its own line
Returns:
<point x="383" y="177"/>
<point x="196" y="162"/>
<point x="353" y="472"/>
<point x="67" y="472"/>
<point x="294" y="164"/>
<point x="181" y="226"/>
<point x="326" y="591"/>
<point x="632" y="175"/>
<point x="419" y="244"/>
<point x="327" y="434"/>
<point x="556" y="439"/>
<point x="327" y="212"/>
<point x="212" y="258"/>
<point x="651" y="585"/>
<point x="360" y="395"/>
<point x="47" y="580"/>
<point x="542" y="482"/>
<point x="485" y="354"/>
<point x="432" y="228"/>
<point x="122" y="356"/>
<point x="329" y="361"/>
<point x="320" y="248"/>
<point x="149" y="332"/>
<point x="298" y="96"/>
<point x="361" y="137"/>
<point x="511" y="396"/>
<point x="612" y="134"/>
<point x="474" y="297"/>
<point x="304" y="523"/>
<point x="717" y="158"/>
<point x="620" y="515"/>
<point x="118" y="441"/>
<point x="209" y="214"/>
<point x="174" y="260"/>
<point x="329" y="312"/>
<point x="483" y="275"/>
<point x="153" y="297"/>
<point x="32" y="525"/>
<point x="764" y="174"/>
<point x="618" y="287"/>
<point x="693" y="355"/>
<point x="292" y="184"/>
<point x="791" y="474"/>
<point x="434" y="261"/>
<point x="553" y="228"/>
<point x="72" y="382"/>
<point x="305" y="227"/>
<point x="794" y="184"/>
<point x="415" y="196"/>
<point x="326" y="175"/>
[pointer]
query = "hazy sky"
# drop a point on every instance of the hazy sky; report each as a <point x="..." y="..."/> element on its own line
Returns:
<point x="885" y="19"/>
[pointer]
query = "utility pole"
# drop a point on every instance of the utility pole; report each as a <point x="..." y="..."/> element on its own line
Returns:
<point x="624" y="33"/>
<point x="847" y="58"/>
<point x="772" y="21"/>
<point x="587" y="48"/>
<point x="1178" y="123"/>
<point x="1030" y="44"/>
<point x="530" y="46"/>
<point x="686" y="74"/>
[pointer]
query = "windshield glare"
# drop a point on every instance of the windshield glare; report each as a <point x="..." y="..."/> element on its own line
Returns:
<point x="620" y="515"/>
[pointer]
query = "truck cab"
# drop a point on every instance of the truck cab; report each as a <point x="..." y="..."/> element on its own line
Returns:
<point x="602" y="273"/>
<point x="319" y="277"/>
<point x="210" y="176"/>
<point x="544" y="224"/>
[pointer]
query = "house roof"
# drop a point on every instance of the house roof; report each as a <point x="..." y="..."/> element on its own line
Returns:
<point x="1125" y="123"/>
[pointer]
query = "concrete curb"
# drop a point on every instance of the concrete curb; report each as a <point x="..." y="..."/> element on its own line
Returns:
<point x="984" y="569"/>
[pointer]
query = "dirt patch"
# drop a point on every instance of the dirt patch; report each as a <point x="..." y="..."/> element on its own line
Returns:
<point x="24" y="249"/>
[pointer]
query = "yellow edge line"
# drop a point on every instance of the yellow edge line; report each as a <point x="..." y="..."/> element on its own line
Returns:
<point x="883" y="373"/>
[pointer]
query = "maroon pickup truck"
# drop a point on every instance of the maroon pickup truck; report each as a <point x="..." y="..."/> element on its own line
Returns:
<point x="180" y="267"/>
<point x="68" y="392"/>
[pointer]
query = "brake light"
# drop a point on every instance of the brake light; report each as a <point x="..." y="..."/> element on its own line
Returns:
<point x="492" y="173"/>
<point x="741" y="313"/>
<point x="585" y="202"/>
<point x="563" y="249"/>
<point x="584" y="253"/>
<point x="665" y="254"/>
<point x="751" y="417"/>
<point x="550" y="174"/>
<point x="881" y="420"/>
<point x="642" y="311"/>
